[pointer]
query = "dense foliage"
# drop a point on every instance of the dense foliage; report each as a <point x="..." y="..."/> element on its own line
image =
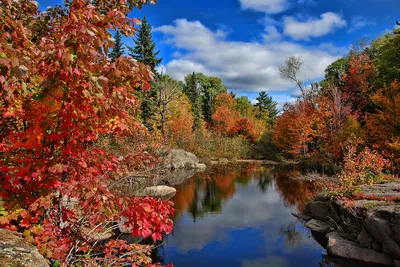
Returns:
<point x="357" y="103"/>
<point x="59" y="93"/>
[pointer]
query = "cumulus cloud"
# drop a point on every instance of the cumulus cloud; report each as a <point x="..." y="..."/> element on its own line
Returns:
<point x="314" y="27"/>
<point x="265" y="6"/>
<point x="249" y="66"/>
<point x="271" y="34"/>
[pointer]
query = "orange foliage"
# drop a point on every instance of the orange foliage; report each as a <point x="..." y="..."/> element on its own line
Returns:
<point x="297" y="128"/>
<point x="180" y="120"/>
<point x="358" y="82"/>
<point x="383" y="125"/>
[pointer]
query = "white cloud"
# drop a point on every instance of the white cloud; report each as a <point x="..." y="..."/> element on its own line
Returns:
<point x="359" y="22"/>
<point x="303" y="30"/>
<point x="249" y="66"/>
<point x="265" y="6"/>
<point x="272" y="34"/>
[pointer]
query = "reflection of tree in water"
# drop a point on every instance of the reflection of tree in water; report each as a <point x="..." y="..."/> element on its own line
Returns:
<point x="211" y="191"/>
<point x="293" y="237"/>
<point x="264" y="178"/>
<point x="294" y="192"/>
<point x="207" y="192"/>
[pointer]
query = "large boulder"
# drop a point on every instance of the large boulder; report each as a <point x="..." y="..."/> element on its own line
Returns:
<point x="178" y="176"/>
<point x="318" y="226"/>
<point x="161" y="191"/>
<point x="341" y="247"/>
<point x="179" y="159"/>
<point x="321" y="210"/>
<point x="15" y="251"/>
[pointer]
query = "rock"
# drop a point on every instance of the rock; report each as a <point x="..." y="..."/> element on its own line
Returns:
<point x="15" y="251"/>
<point x="178" y="176"/>
<point x="365" y="239"/>
<point x="122" y="228"/>
<point x="179" y="159"/>
<point x="319" y="226"/>
<point x="391" y="247"/>
<point x="301" y="216"/>
<point x="201" y="166"/>
<point x="339" y="246"/>
<point x="321" y="210"/>
<point x="379" y="229"/>
<point x="161" y="191"/>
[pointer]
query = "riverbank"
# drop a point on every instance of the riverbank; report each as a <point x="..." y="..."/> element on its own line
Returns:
<point x="365" y="228"/>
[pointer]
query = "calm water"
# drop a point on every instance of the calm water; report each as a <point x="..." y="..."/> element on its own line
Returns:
<point x="241" y="216"/>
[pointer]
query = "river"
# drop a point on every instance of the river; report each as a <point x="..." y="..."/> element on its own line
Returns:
<point x="241" y="216"/>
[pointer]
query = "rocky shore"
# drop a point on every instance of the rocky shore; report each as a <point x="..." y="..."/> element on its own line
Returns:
<point x="366" y="228"/>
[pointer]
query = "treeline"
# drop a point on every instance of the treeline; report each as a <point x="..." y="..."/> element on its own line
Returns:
<point x="197" y="114"/>
<point x="354" y="112"/>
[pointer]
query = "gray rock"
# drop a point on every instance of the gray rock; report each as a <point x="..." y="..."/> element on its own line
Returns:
<point x="178" y="176"/>
<point x="321" y="210"/>
<point x="179" y="159"/>
<point x="301" y="216"/>
<point x="15" y="251"/>
<point x="318" y="226"/>
<point x="365" y="239"/>
<point x="161" y="191"/>
<point x="339" y="246"/>
<point x="201" y="166"/>
<point x="379" y="229"/>
<point x="122" y="228"/>
<point x="391" y="247"/>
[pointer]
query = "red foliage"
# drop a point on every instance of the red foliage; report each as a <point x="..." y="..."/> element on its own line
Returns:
<point x="57" y="96"/>
<point x="358" y="82"/>
<point x="296" y="128"/>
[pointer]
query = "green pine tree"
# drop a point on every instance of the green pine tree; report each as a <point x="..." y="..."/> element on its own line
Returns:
<point x="267" y="107"/>
<point x="118" y="49"/>
<point x="144" y="51"/>
<point x="192" y="90"/>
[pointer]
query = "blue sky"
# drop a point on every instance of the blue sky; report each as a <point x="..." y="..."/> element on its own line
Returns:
<point x="245" y="41"/>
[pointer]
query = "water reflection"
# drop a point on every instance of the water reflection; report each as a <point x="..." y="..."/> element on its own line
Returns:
<point x="241" y="216"/>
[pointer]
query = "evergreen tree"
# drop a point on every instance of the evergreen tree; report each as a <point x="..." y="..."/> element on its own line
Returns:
<point x="192" y="90"/>
<point x="118" y="49"/>
<point x="144" y="51"/>
<point x="210" y="87"/>
<point x="267" y="107"/>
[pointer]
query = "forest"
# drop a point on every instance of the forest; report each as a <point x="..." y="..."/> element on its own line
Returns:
<point x="80" y="109"/>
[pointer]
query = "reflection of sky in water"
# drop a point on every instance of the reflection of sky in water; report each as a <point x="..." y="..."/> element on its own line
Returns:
<point x="253" y="229"/>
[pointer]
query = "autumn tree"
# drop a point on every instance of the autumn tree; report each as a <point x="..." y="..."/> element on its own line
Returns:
<point x="180" y="120"/>
<point x="57" y="96"/>
<point x="384" y="124"/>
<point x="296" y="129"/>
<point x="358" y="83"/>
<point x="224" y="116"/>
<point x="167" y="89"/>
